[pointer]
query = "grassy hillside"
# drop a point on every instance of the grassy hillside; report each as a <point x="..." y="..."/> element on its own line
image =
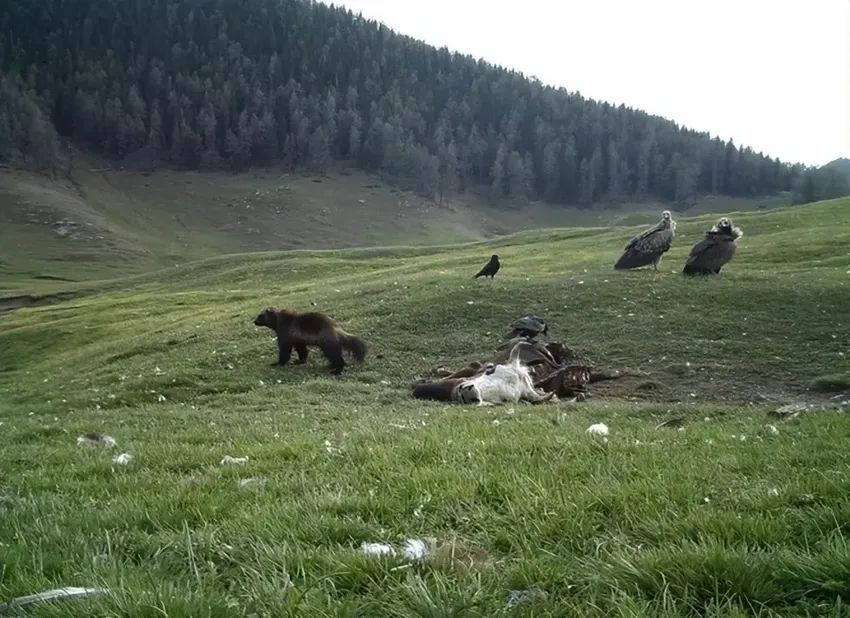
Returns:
<point x="108" y="224"/>
<point x="728" y="517"/>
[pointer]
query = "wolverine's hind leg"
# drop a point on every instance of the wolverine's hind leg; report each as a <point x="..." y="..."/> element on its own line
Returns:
<point x="334" y="355"/>
<point x="301" y="349"/>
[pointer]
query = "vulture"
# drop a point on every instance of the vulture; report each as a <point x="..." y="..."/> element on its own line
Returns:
<point x="491" y="268"/>
<point x="714" y="251"/>
<point x="649" y="246"/>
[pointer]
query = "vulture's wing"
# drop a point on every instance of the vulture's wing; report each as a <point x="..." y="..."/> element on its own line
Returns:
<point x="657" y="242"/>
<point x="701" y="247"/>
<point x="638" y="237"/>
<point x="644" y="248"/>
<point x="711" y="252"/>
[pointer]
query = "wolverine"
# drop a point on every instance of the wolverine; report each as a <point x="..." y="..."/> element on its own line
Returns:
<point x="298" y="330"/>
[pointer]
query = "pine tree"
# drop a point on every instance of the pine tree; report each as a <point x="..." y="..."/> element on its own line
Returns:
<point x="318" y="154"/>
<point x="448" y="173"/>
<point x="497" y="174"/>
<point x="552" y="171"/>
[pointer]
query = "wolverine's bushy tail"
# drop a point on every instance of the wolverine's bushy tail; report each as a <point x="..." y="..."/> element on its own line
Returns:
<point x="353" y="344"/>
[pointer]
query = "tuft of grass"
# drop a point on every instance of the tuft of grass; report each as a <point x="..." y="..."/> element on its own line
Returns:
<point x="730" y="516"/>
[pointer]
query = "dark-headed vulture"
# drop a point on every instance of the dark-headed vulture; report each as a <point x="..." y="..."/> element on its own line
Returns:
<point x="714" y="251"/>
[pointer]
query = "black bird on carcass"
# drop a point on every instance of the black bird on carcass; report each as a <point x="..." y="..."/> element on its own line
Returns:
<point x="528" y="327"/>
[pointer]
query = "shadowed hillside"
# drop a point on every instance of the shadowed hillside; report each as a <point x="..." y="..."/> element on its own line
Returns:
<point x="108" y="223"/>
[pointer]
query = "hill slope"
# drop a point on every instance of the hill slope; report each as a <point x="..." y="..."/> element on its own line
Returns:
<point x="103" y="224"/>
<point x="724" y="516"/>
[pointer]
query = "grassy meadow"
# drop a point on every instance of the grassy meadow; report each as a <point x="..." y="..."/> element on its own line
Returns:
<point x="737" y="514"/>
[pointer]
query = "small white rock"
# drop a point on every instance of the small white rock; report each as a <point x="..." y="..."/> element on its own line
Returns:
<point x="600" y="429"/>
<point x="377" y="549"/>
<point x="415" y="549"/>
<point x="227" y="460"/>
<point x="123" y="459"/>
<point x="251" y="481"/>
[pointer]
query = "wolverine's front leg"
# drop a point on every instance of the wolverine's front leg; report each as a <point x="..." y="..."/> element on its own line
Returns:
<point x="301" y="349"/>
<point x="284" y="350"/>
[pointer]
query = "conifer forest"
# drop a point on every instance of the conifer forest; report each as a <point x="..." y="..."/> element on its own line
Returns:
<point x="216" y="84"/>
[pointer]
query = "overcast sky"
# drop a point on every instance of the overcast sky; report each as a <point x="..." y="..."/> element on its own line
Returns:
<point x="771" y="74"/>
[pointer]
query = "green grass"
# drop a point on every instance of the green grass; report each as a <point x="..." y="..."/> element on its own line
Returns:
<point x="110" y="224"/>
<point x="725" y="518"/>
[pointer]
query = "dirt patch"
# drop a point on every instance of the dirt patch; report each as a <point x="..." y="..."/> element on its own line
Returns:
<point x="671" y="387"/>
<point x="13" y="303"/>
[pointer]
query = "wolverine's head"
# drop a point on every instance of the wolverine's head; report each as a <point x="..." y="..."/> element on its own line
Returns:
<point x="267" y="317"/>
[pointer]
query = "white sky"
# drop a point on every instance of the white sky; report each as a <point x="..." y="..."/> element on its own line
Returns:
<point x="771" y="74"/>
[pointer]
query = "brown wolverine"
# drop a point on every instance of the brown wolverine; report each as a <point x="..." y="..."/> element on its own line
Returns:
<point x="298" y="330"/>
